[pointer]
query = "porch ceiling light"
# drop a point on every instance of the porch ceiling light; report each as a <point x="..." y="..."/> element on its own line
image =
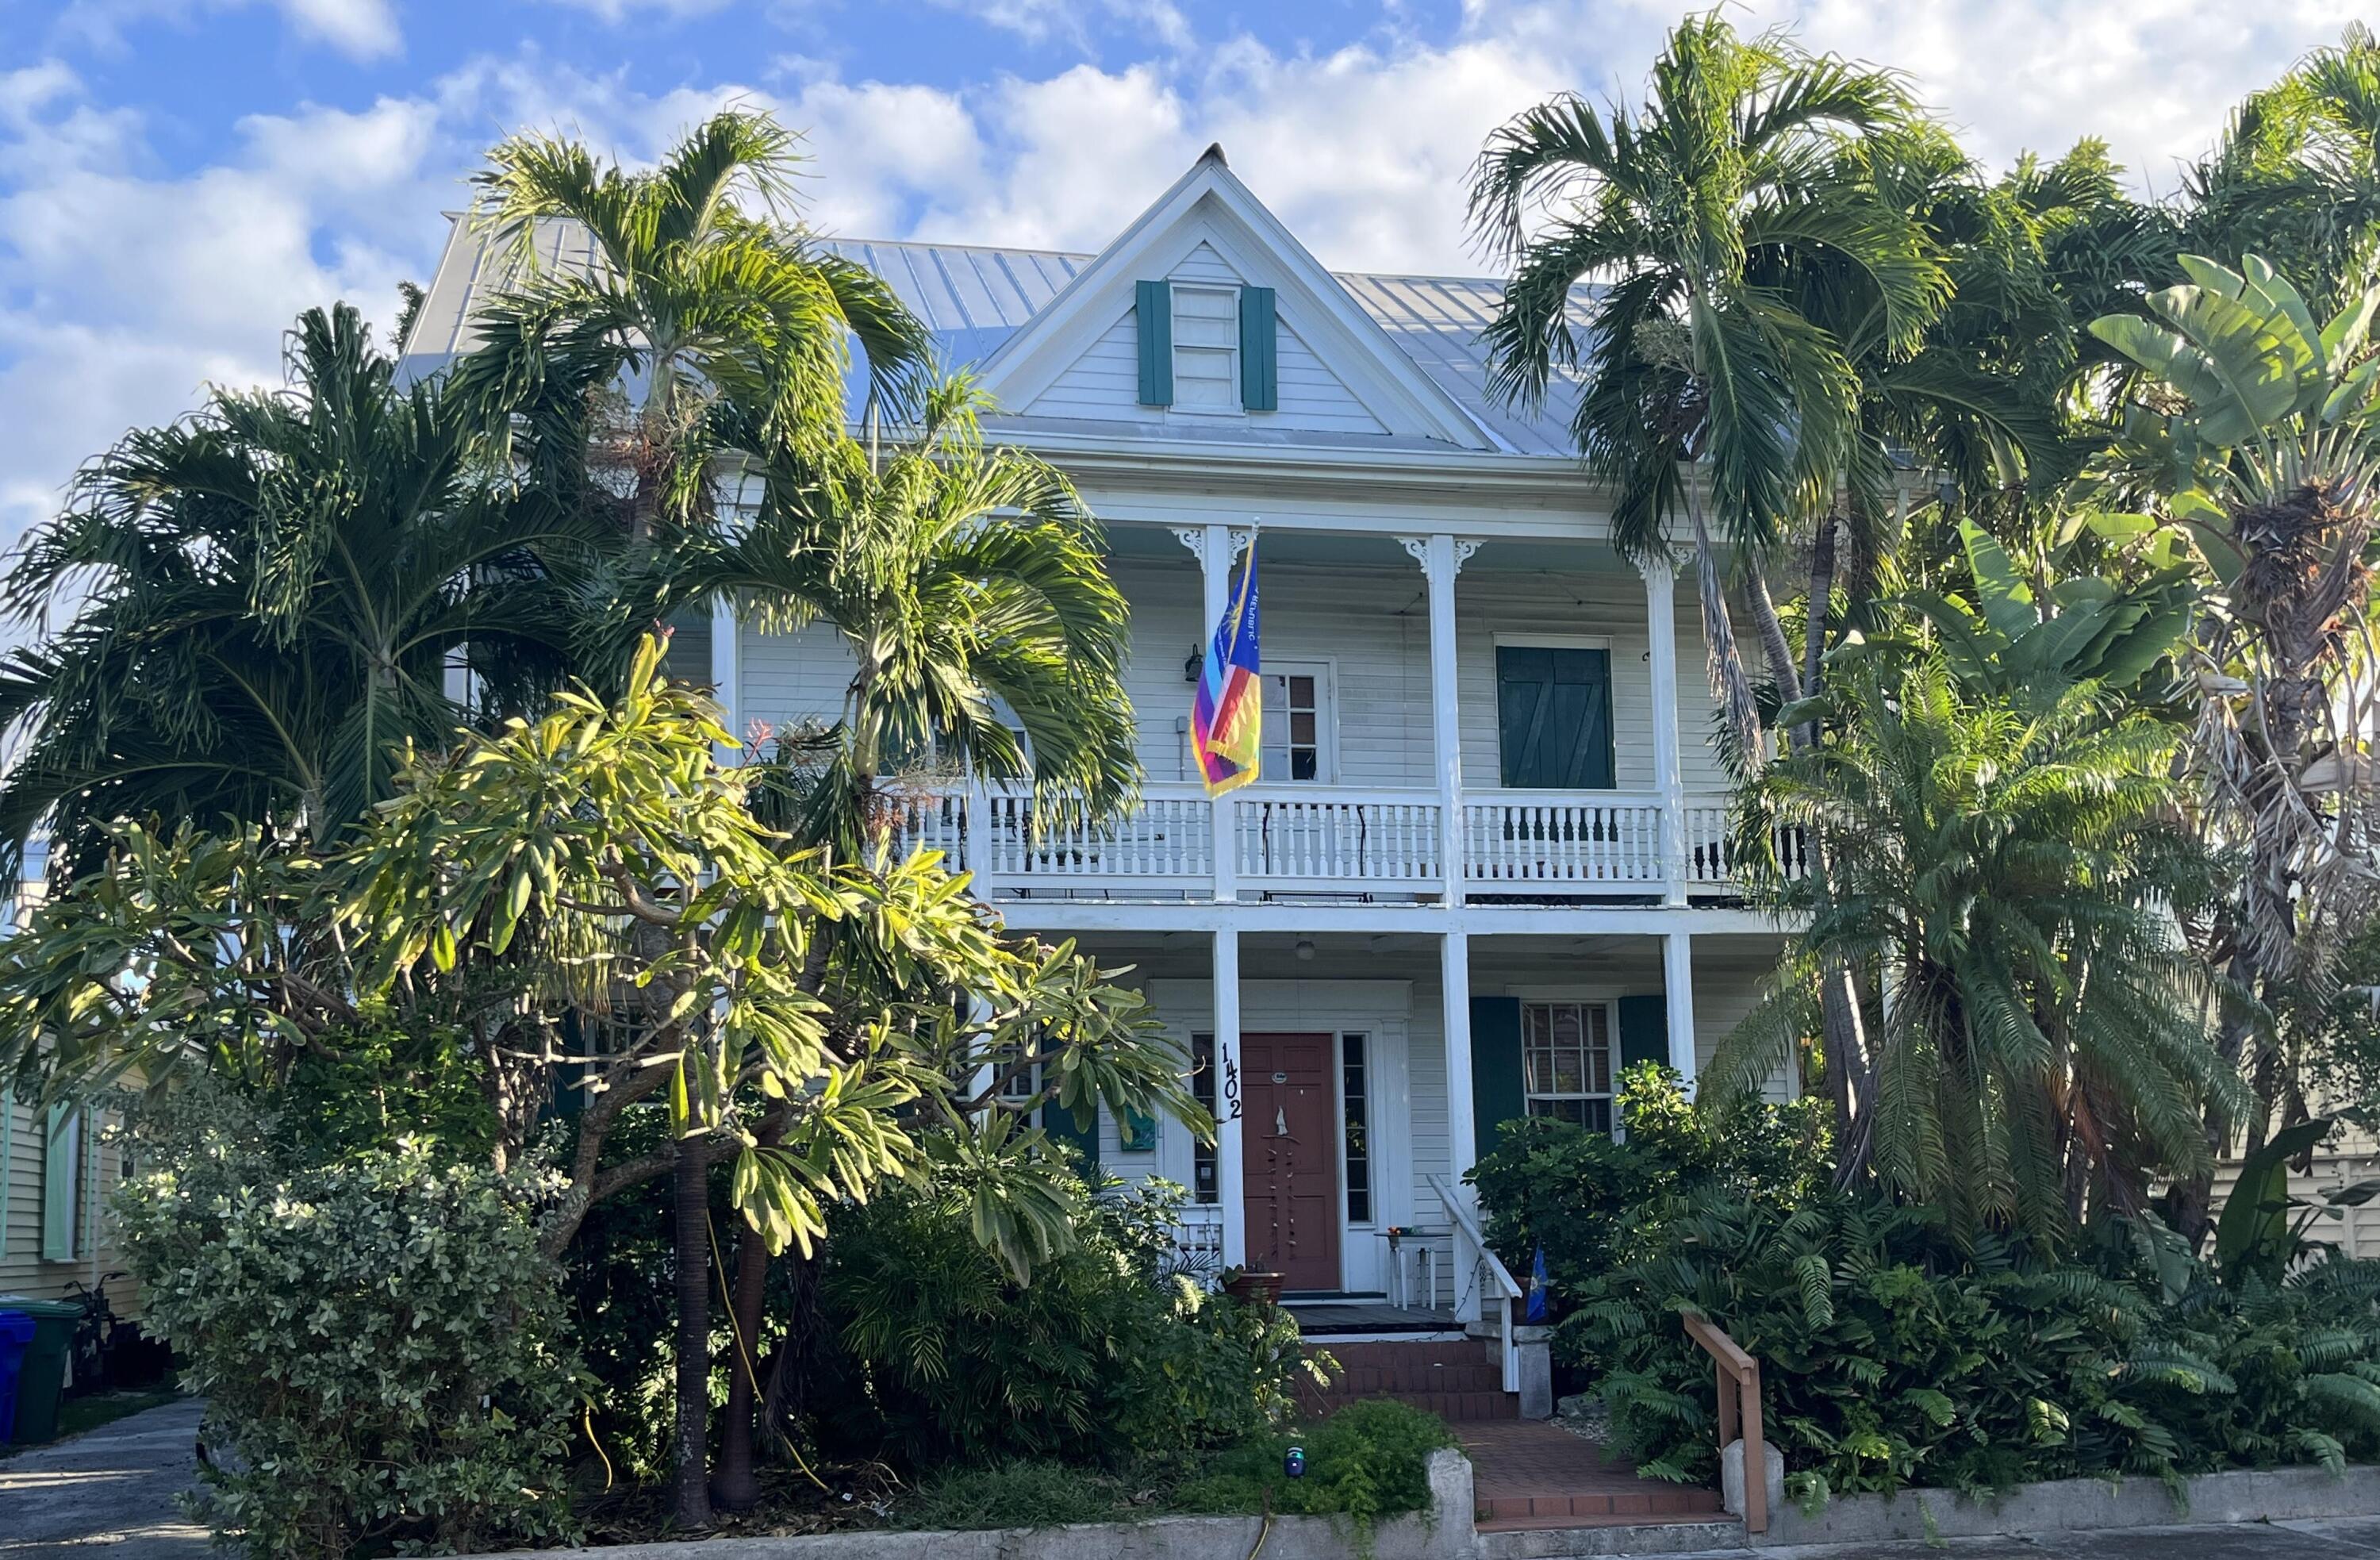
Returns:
<point x="1305" y="950"/>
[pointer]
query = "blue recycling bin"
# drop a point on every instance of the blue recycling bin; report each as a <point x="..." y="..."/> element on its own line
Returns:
<point x="16" y="1337"/>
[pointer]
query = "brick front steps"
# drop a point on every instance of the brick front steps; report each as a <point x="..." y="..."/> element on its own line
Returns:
<point x="1537" y="1476"/>
<point x="1451" y="1379"/>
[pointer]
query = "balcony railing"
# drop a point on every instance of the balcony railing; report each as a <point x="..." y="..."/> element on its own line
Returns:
<point x="1329" y="839"/>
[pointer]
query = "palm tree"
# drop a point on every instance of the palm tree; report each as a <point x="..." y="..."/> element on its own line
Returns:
<point x="2260" y="430"/>
<point x="2296" y="175"/>
<point x="1704" y="380"/>
<point x="265" y="599"/>
<point x="970" y="587"/>
<point x="2001" y="874"/>
<point x="693" y="304"/>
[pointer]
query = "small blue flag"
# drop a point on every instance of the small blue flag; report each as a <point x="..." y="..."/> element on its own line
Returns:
<point x="1538" y="1287"/>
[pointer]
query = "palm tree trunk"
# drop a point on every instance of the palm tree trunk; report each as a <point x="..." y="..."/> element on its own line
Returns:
<point x="1773" y="643"/>
<point x="1723" y="662"/>
<point x="1814" y="630"/>
<point x="690" y="1250"/>
<point x="736" y="1487"/>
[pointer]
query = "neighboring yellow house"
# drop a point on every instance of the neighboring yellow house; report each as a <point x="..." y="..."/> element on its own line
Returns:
<point x="56" y="1169"/>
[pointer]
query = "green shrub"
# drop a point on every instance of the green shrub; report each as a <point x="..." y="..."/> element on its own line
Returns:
<point x="382" y="1348"/>
<point x="1369" y="1460"/>
<point x="1579" y="1193"/>
<point x="1100" y="1359"/>
<point x="1891" y="1357"/>
<point x="1018" y="1493"/>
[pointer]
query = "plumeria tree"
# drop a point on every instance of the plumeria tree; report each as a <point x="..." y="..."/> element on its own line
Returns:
<point x="587" y="897"/>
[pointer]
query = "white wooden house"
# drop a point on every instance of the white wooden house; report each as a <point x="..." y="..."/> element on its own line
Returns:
<point x="1485" y="862"/>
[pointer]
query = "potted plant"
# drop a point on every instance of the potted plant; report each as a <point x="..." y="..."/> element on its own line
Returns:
<point x="1255" y="1289"/>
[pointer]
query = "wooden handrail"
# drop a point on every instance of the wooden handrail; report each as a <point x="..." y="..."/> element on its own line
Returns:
<point x="1739" y="1413"/>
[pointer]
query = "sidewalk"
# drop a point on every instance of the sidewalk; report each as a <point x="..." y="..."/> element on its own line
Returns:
<point x="108" y="1494"/>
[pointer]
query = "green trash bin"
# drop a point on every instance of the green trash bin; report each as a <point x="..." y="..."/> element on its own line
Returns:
<point x="42" y="1380"/>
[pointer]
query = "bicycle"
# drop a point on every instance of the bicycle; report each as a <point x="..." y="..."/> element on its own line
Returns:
<point x="94" y="1331"/>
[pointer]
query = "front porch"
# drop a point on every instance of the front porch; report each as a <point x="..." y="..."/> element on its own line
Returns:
<point x="1354" y="1076"/>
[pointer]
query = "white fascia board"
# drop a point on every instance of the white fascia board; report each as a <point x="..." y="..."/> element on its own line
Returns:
<point x="1312" y="302"/>
<point x="1479" y="920"/>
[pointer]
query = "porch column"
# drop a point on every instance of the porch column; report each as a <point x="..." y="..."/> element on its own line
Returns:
<point x="1669" y="770"/>
<point x="1216" y="546"/>
<point x="1231" y="1164"/>
<point x="1454" y="997"/>
<point x="727" y="666"/>
<point x="1677" y="987"/>
<point x="1442" y="558"/>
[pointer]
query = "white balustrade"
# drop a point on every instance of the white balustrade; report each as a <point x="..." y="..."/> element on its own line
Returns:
<point x="1535" y="840"/>
<point x="1334" y="837"/>
<point x="1711" y="854"/>
<point x="1166" y="840"/>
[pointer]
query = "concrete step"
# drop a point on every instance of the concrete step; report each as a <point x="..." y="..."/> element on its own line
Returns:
<point x="1618" y="1536"/>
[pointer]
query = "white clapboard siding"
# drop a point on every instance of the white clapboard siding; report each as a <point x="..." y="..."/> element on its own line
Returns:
<point x="1371" y="628"/>
<point x="1103" y="384"/>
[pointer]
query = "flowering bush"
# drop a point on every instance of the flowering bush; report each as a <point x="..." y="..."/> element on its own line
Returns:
<point x="382" y="1349"/>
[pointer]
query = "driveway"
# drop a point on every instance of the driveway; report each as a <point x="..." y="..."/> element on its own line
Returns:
<point x="109" y="1493"/>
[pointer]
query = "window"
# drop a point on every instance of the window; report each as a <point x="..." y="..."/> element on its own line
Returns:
<point x="1205" y="1183"/>
<point x="1566" y="1061"/>
<point x="1356" y="1085"/>
<point x="1297" y="723"/>
<point x="1206" y="348"/>
<point x="1553" y="716"/>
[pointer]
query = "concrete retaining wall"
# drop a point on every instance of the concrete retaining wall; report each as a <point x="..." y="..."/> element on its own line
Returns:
<point x="1443" y="1532"/>
<point x="2279" y="1494"/>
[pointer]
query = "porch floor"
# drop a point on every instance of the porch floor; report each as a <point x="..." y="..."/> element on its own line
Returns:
<point x="1527" y="1474"/>
<point x="1367" y="1315"/>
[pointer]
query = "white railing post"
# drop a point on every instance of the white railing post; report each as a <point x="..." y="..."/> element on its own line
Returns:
<point x="1678" y="989"/>
<point x="1230" y="1090"/>
<point x="1669" y="768"/>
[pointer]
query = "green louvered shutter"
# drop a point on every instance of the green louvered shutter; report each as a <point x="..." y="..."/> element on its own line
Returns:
<point x="1060" y="1125"/>
<point x="1497" y="1093"/>
<point x="1643" y="1030"/>
<point x="1259" y="351"/>
<point x="1553" y="716"/>
<point x="60" y="1184"/>
<point x="1152" y="306"/>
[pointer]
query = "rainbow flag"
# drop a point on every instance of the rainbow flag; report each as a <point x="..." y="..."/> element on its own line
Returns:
<point x="1227" y="717"/>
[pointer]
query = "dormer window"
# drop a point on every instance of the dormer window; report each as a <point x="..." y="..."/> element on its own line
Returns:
<point x="1204" y="349"/>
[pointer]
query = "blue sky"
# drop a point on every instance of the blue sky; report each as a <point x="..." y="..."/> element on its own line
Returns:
<point x="179" y="177"/>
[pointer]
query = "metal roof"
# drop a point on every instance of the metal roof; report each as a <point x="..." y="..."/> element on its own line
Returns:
<point x="974" y="296"/>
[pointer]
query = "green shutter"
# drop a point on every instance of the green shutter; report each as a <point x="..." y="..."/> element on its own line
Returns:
<point x="1259" y="351"/>
<point x="1643" y="1030"/>
<point x="59" y="1186"/>
<point x="1152" y="306"/>
<point x="1497" y="1094"/>
<point x="1060" y="1125"/>
<point x="1553" y="718"/>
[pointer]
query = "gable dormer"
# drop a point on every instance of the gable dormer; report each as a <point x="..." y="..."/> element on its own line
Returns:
<point x="1208" y="319"/>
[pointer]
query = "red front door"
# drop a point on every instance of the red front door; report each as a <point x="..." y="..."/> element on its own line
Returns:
<point x="1289" y="1139"/>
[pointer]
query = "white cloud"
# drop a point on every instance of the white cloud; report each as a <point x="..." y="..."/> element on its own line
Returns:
<point x="614" y="12"/>
<point x="123" y="290"/>
<point x="360" y="28"/>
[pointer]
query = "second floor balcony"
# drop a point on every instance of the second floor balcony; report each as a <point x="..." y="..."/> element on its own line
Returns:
<point x="1444" y="720"/>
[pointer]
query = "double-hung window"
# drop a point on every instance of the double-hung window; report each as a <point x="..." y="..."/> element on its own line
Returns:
<point x="1566" y="1057"/>
<point x="1297" y="722"/>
